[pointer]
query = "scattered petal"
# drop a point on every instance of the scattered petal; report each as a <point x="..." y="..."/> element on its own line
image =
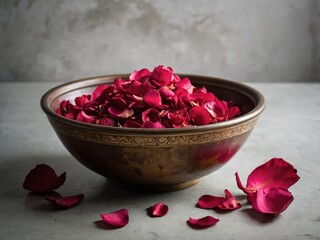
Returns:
<point x="158" y="210"/>
<point x="209" y="201"/>
<point x="118" y="218"/>
<point x="229" y="202"/>
<point x="204" y="222"/>
<point x="43" y="179"/>
<point x="64" y="202"/>
<point x="199" y="116"/>
<point x="276" y="173"/>
<point x="271" y="200"/>
<point x="153" y="99"/>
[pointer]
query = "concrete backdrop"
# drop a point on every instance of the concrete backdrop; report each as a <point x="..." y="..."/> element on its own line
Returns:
<point x="244" y="40"/>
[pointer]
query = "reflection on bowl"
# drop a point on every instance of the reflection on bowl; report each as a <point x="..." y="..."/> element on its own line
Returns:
<point x="155" y="159"/>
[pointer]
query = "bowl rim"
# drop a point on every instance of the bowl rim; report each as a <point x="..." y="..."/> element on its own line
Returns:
<point x="49" y="96"/>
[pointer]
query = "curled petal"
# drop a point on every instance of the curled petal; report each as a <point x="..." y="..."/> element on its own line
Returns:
<point x="138" y="75"/>
<point x="107" y="121"/>
<point x="229" y="202"/>
<point x="185" y="84"/>
<point x="81" y="101"/>
<point x="97" y="92"/>
<point x="118" y="218"/>
<point x="64" y="202"/>
<point x="151" y="115"/>
<point x="271" y="200"/>
<point x="209" y="201"/>
<point x="162" y="75"/>
<point x="204" y="222"/>
<point x="126" y="113"/>
<point x="276" y="173"/>
<point x="43" y="179"/>
<point x="83" y="117"/>
<point x="158" y="210"/>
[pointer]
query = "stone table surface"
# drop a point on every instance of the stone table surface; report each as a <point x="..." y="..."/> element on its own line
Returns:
<point x="288" y="128"/>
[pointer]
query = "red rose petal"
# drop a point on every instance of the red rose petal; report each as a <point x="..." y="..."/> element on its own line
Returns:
<point x="204" y="222"/>
<point x="276" y="173"/>
<point x="83" y="117"/>
<point x="162" y="75"/>
<point x="43" y="179"/>
<point x="158" y="210"/>
<point x="209" y="201"/>
<point x="64" y="202"/>
<point x="229" y="202"/>
<point x="138" y="75"/>
<point x="119" y="218"/>
<point x="199" y="116"/>
<point x="271" y="200"/>
<point x="97" y="92"/>
<point x="153" y="99"/>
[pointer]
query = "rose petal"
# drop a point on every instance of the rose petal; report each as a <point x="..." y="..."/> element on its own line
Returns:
<point x="107" y="121"/>
<point x="81" y="101"/>
<point x="199" y="116"/>
<point x="64" y="202"/>
<point x="132" y="124"/>
<point x="162" y="75"/>
<point x="118" y="218"/>
<point x="203" y="222"/>
<point x="271" y="200"/>
<point x="138" y="75"/>
<point x="83" y="117"/>
<point x="149" y="124"/>
<point x="153" y="99"/>
<point x="209" y="201"/>
<point x="158" y="210"/>
<point x="229" y="202"/>
<point x="43" y="179"/>
<point x="97" y="92"/>
<point x="276" y="173"/>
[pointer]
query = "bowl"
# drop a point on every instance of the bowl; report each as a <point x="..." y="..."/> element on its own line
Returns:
<point x="155" y="159"/>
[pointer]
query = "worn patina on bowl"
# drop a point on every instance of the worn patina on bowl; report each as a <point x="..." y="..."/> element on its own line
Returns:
<point x="155" y="159"/>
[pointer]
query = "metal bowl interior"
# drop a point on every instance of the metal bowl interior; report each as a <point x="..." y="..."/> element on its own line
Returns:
<point x="155" y="159"/>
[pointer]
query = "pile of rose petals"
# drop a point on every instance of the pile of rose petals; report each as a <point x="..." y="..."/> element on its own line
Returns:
<point x="266" y="189"/>
<point x="44" y="180"/>
<point x="157" y="99"/>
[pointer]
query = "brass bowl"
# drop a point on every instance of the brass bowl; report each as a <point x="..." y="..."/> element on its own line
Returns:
<point x="155" y="159"/>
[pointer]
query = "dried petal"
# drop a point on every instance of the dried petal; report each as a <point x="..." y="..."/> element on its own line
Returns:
<point x="43" y="179"/>
<point x="158" y="210"/>
<point x="97" y="92"/>
<point x="209" y="201"/>
<point x="64" y="202"/>
<point x="271" y="200"/>
<point x="204" y="222"/>
<point x="81" y="101"/>
<point x="118" y="218"/>
<point x="138" y="75"/>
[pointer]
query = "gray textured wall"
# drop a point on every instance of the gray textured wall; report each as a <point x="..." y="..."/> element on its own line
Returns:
<point x="244" y="40"/>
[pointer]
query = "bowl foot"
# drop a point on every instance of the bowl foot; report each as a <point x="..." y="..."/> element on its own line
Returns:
<point x="154" y="188"/>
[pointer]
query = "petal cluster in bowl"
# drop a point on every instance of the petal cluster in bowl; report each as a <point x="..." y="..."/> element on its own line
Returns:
<point x="162" y="159"/>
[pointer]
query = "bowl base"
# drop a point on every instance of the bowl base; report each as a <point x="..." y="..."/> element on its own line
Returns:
<point x="154" y="188"/>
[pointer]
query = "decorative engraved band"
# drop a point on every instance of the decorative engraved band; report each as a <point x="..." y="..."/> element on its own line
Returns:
<point x="147" y="140"/>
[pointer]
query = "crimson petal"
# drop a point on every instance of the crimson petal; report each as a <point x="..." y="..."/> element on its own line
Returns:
<point x="209" y="201"/>
<point x="199" y="116"/>
<point x="118" y="218"/>
<point x="158" y="210"/>
<point x="204" y="222"/>
<point x="153" y="98"/>
<point x="64" y="202"/>
<point x="276" y="173"/>
<point x="271" y="200"/>
<point x="43" y="179"/>
<point x="230" y="202"/>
